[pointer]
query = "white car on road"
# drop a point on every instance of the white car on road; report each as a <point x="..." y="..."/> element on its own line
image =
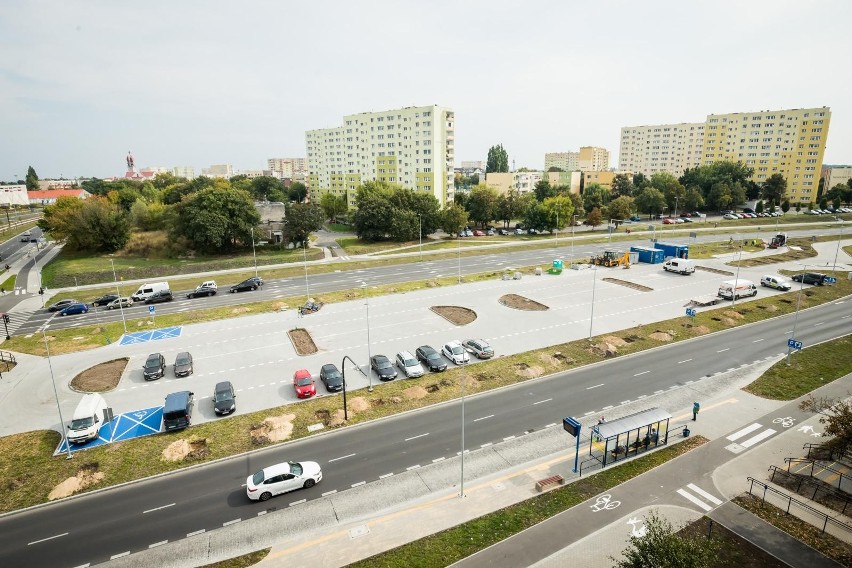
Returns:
<point x="454" y="351"/>
<point x="281" y="478"/>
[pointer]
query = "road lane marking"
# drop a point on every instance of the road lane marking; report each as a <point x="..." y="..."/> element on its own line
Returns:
<point x="483" y="418"/>
<point x="757" y="340"/>
<point x="541" y="401"/>
<point x="694" y="499"/>
<point x="226" y="523"/>
<point x="820" y="323"/>
<point x="120" y="555"/>
<point x="607" y="407"/>
<point x="436" y="460"/>
<point x="299" y="502"/>
<point x="327" y="493"/>
<point x="156" y="544"/>
<point x="341" y="458"/>
<point x="412" y="467"/>
<point x="723" y="350"/>
<point x="594" y="387"/>
<point x="360" y="483"/>
<point x="194" y="533"/>
<point x="385" y="475"/>
<point x="642" y="373"/>
<point x="158" y="508"/>
<point x="48" y="538"/>
<point x="684" y="361"/>
<point x="417" y="436"/>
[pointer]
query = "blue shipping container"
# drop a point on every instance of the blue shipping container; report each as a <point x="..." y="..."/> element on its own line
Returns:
<point x="673" y="250"/>
<point x="649" y="255"/>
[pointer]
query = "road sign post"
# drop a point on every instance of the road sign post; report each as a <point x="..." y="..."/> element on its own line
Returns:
<point x="151" y="311"/>
<point x="791" y="345"/>
<point x="690" y="312"/>
<point x="573" y="427"/>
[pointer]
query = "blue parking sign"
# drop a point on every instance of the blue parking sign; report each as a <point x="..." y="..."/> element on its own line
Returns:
<point x="690" y="312"/>
<point x="150" y="309"/>
<point x="793" y="344"/>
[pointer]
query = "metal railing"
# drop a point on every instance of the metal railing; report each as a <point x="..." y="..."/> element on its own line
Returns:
<point x="592" y="459"/>
<point x="8" y="358"/>
<point x="817" y="486"/>
<point x="825" y="519"/>
<point x="814" y="463"/>
<point x="840" y="453"/>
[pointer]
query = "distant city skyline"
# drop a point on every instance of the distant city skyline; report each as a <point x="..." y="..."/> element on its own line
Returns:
<point x="204" y="83"/>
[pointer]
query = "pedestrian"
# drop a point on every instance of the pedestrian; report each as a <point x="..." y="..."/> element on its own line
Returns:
<point x="654" y="436"/>
<point x="600" y="421"/>
<point x="3" y="291"/>
<point x="695" y="408"/>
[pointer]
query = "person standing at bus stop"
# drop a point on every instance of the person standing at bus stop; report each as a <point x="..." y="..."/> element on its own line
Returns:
<point x="695" y="408"/>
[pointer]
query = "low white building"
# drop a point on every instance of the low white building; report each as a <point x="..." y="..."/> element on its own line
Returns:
<point x="13" y="195"/>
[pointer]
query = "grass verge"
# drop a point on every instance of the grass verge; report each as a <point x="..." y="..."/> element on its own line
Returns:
<point x="243" y="561"/>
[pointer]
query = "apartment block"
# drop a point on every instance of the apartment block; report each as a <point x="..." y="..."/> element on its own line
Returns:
<point x="413" y="147"/>
<point x="287" y="167"/>
<point x="473" y="165"/>
<point x="593" y="159"/>
<point x="565" y="161"/>
<point x="790" y="142"/>
<point x="218" y="170"/>
<point x="659" y="148"/>
<point x="187" y="172"/>
<point x="836" y="175"/>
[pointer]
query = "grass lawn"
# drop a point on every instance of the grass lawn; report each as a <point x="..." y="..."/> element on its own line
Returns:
<point x="243" y="561"/>
<point x="339" y="228"/>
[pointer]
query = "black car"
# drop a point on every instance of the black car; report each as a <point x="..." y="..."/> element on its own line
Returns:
<point x="104" y="300"/>
<point x="331" y="378"/>
<point x="155" y="367"/>
<point x="160" y="296"/>
<point x="183" y="364"/>
<point x="810" y="278"/>
<point x="224" y="398"/>
<point x="252" y="283"/>
<point x="383" y="367"/>
<point x="431" y="358"/>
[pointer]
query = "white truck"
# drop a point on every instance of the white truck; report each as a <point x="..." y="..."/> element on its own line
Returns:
<point x="87" y="419"/>
<point x="145" y="291"/>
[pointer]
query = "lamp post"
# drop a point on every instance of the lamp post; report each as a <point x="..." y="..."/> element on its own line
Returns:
<point x="369" y="354"/>
<point x="796" y="317"/>
<point x="420" y="234"/>
<point x="573" y="223"/>
<point x="611" y="229"/>
<point x="675" y="211"/>
<point x="253" y="252"/>
<point x="557" y="228"/>
<point x="459" y="239"/>
<point x="592" y="316"/>
<point x="343" y="372"/>
<point x="118" y="293"/>
<point x="836" y="252"/>
<point x="737" y="278"/>
<point x="463" y="373"/>
<point x="305" y="256"/>
<point x="56" y="395"/>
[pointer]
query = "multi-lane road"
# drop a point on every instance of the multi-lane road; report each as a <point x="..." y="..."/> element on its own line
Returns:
<point x="95" y="527"/>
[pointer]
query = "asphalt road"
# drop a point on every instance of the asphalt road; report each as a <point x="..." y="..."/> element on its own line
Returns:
<point x="93" y="528"/>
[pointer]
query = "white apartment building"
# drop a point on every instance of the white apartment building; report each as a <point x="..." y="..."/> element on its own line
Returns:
<point x="836" y="175"/>
<point x="473" y="165"/>
<point x="593" y="159"/>
<point x="413" y="147"/>
<point x="287" y="167"/>
<point x="565" y="161"/>
<point x="218" y="170"/>
<point x="661" y="148"/>
<point x="187" y="172"/>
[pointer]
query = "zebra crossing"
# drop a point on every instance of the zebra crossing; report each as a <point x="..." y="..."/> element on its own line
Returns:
<point x="739" y="444"/>
<point x="697" y="496"/>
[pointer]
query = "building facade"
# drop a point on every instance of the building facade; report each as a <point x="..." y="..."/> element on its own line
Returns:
<point x="659" y="148"/>
<point x="187" y="172"/>
<point x="413" y="147"/>
<point x="218" y="170"/>
<point x="287" y="167"/>
<point x="593" y="159"/>
<point x="565" y="161"/>
<point x="836" y="175"/>
<point x="473" y="165"/>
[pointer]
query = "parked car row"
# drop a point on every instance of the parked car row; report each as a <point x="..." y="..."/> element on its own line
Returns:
<point x="828" y="211"/>
<point x="731" y="215"/>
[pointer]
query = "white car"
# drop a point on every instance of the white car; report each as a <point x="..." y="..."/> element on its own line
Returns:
<point x="122" y="302"/>
<point x="454" y="351"/>
<point x="281" y="478"/>
<point x="409" y="364"/>
<point x="730" y="216"/>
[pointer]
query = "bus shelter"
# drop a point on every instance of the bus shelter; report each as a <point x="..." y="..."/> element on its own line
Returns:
<point x="629" y="436"/>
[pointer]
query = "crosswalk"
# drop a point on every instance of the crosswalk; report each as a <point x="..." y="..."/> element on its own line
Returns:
<point x="739" y="444"/>
<point x="697" y="496"/>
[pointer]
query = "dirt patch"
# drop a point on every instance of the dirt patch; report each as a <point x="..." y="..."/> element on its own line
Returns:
<point x="661" y="336"/>
<point x="521" y="303"/>
<point x="280" y="306"/>
<point x="273" y="429"/>
<point x="732" y="314"/>
<point x="183" y="449"/>
<point x="701" y="329"/>
<point x="729" y="321"/>
<point x="613" y="340"/>
<point x="337" y="419"/>
<point x="456" y="315"/>
<point x="628" y="284"/>
<point x="240" y="310"/>
<point x="529" y="371"/>
<point x="415" y="392"/>
<point x="359" y="404"/>
<point x="714" y="270"/>
<point x="100" y="378"/>
<point x="605" y="349"/>
<point x="87" y="476"/>
<point x="302" y="341"/>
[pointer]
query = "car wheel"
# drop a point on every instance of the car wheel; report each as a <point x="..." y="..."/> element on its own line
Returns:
<point x="309" y="483"/>
<point x="209" y="294"/>
<point x="265" y="496"/>
<point x="253" y="288"/>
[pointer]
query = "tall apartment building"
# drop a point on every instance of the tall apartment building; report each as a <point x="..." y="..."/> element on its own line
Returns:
<point x="413" y="147"/>
<point x="836" y="175"/>
<point x="218" y="170"/>
<point x="658" y="148"/>
<point x="565" y="161"/>
<point x="287" y="167"/>
<point x="473" y="165"/>
<point x="593" y="159"/>
<point x="187" y="172"/>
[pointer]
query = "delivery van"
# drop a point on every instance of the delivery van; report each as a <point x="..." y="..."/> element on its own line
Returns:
<point x="145" y="291"/>
<point x="177" y="412"/>
<point x="87" y="419"/>
<point x="733" y="289"/>
<point x="679" y="265"/>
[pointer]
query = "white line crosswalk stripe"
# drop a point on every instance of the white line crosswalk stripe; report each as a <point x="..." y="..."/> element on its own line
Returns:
<point x="745" y="431"/>
<point x="737" y="447"/>
<point x="695" y="499"/>
<point x="701" y="498"/>
<point x="704" y="494"/>
<point x="755" y="439"/>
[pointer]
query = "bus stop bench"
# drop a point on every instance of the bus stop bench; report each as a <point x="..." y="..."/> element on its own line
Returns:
<point x="549" y="482"/>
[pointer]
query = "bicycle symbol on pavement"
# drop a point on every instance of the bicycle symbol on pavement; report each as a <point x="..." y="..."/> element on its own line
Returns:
<point x="786" y="422"/>
<point x="604" y="502"/>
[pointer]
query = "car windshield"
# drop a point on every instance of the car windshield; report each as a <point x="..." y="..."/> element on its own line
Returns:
<point x="152" y="363"/>
<point x="222" y="396"/>
<point x="332" y="374"/>
<point x="382" y="363"/>
<point x="257" y="478"/>
<point x="296" y="468"/>
<point x="304" y="381"/>
<point x="457" y="350"/>
<point x="486" y="348"/>
<point x="432" y="355"/>
<point x="81" y="423"/>
<point x="410" y="362"/>
<point x="182" y="361"/>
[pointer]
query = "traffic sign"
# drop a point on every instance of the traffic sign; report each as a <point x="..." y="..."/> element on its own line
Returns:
<point x="150" y="309"/>
<point x="793" y="344"/>
<point x="830" y="280"/>
<point x="690" y="312"/>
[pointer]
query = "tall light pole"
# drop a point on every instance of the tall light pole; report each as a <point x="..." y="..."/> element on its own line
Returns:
<point x="253" y="252"/>
<point x="459" y="239"/>
<point x="675" y="211"/>
<point x="796" y="317"/>
<point x="592" y="316"/>
<point x="737" y="278"/>
<point x="463" y="373"/>
<point x="305" y="256"/>
<point x="420" y="234"/>
<point x="838" y="245"/>
<point x="120" y="304"/>
<point x="56" y="394"/>
<point x="573" y="223"/>
<point x="369" y="354"/>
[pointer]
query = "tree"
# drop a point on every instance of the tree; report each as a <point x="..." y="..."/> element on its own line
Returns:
<point x="555" y="169"/>
<point x="774" y="187"/>
<point x="99" y="226"/>
<point x="543" y="190"/>
<point x="498" y="160"/>
<point x="671" y="188"/>
<point x="216" y="218"/>
<point x="162" y="180"/>
<point x="536" y="217"/>
<point x="693" y="200"/>
<point x="559" y="211"/>
<point x="785" y="205"/>
<point x="651" y="201"/>
<point x="759" y="207"/>
<point x="297" y="191"/>
<point x="264" y="188"/>
<point x="823" y="203"/>
<point x="329" y="204"/>
<point x="621" y="208"/>
<point x="58" y="217"/>
<point x="371" y="216"/>
<point x="32" y="179"/>
<point x="639" y="181"/>
<point x="593" y="219"/>
<point x="661" y="546"/>
<point x="300" y="220"/>
<point x="622" y="184"/>
<point x="482" y="205"/>
<point x="595" y="196"/>
<point x="835" y="416"/>
<point x="453" y="218"/>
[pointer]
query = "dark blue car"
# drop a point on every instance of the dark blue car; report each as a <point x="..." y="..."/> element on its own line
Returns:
<point x="74" y="309"/>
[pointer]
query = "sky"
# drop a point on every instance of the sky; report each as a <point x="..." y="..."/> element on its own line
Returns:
<point x="201" y="82"/>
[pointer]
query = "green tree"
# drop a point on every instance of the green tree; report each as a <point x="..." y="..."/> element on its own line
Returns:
<point x="543" y="190"/>
<point x="99" y="226"/>
<point x="559" y="211"/>
<point x="651" y="201"/>
<point x="671" y="189"/>
<point x="785" y="206"/>
<point x="595" y="196"/>
<point x="32" y="179"/>
<point x="373" y="209"/>
<point x="823" y="203"/>
<point x="453" y="218"/>
<point x="555" y="169"/>
<point x="148" y="216"/>
<point x="693" y="200"/>
<point x="660" y="546"/>
<point x="774" y="187"/>
<point x="758" y="208"/>
<point x="162" y="180"/>
<point x="297" y="192"/>
<point x="263" y="188"/>
<point x="329" y="204"/>
<point x="300" y="220"/>
<point x="621" y="208"/>
<point x="482" y="205"/>
<point x="498" y="160"/>
<point x="512" y="205"/>
<point x="577" y="200"/>
<point x="594" y="218"/>
<point x="622" y="184"/>
<point x="58" y="218"/>
<point x="640" y="181"/>
<point x="216" y="218"/>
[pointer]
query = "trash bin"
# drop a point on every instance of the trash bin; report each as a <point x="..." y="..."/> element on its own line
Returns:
<point x="686" y="432"/>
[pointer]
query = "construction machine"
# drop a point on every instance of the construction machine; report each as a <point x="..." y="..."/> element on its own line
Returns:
<point x="778" y="240"/>
<point x="612" y="258"/>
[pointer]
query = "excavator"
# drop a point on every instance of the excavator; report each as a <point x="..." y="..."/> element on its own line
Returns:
<point x="612" y="258"/>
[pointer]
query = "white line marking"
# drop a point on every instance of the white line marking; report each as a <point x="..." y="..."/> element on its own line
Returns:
<point x="261" y="513"/>
<point x="436" y="460"/>
<point x="225" y="524"/>
<point x="755" y="439"/>
<point x="360" y="483"/>
<point x="704" y="494"/>
<point x="642" y="373"/>
<point x="299" y="502"/>
<point x="156" y="544"/>
<point x="86" y="565"/>
<point x="385" y="475"/>
<point x="757" y="341"/>
<point x="194" y="533"/>
<point x="695" y="500"/>
<point x="541" y="401"/>
<point x="740" y="433"/>
<point x="120" y="555"/>
<point x="507" y="438"/>
<point x="412" y="467"/>
<point x="341" y="458"/>
<point x="607" y="407"/>
<point x="158" y="508"/>
<point x="415" y="437"/>
<point x="551" y="425"/>
<point x="48" y="538"/>
<point x="485" y="445"/>
<point x="684" y="361"/>
<point x="483" y="418"/>
<point x="820" y="323"/>
<point x="623" y="402"/>
<point x="723" y="350"/>
<point x="594" y="387"/>
<point x="327" y="493"/>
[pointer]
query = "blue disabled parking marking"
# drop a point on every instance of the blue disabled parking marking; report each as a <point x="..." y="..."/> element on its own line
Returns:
<point x="123" y="427"/>
<point x="153" y="335"/>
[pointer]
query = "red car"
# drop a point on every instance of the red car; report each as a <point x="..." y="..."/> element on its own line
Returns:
<point x="669" y="221"/>
<point x="478" y="233"/>
<point x="304" y="384"/>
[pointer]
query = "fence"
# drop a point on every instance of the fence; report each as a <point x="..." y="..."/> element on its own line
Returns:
<point x="829" y="493"/>
<point x="824" y="452"/>
<point x="841" y="475"/>
<point x="803" y="511"/>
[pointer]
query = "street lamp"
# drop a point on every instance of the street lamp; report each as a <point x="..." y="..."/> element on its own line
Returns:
<point x="675" y="211"/>
<point x="611" y="229"/>
<point x="796" y="317"/>
<point x="838" y="245"/>
<point x="56" y="395"/>
<point x="557" y="228"/>
<point x="573" y="223"/>
<point x="592" y="316"/>
<point x="463" y="373"/>
<point x="737" y="278"/>
<point x="369" y="354"/>
<point x="459" y="239"/>
<point x="420" y="234"/>
<point x="253" y="252"/>
<point x="120" y="303"/>
<point x="343" y="371"/>
<point x="305" y="256"/>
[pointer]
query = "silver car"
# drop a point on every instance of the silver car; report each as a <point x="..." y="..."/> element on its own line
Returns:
<point x="409" y="364"/>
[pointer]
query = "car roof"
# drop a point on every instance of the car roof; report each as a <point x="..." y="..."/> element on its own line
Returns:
<point x="183" y="353"/>
<point x="405" y="355"/>
<point x="379" y="357"/>
<point x="276" y="469"/>
<point x="301" y="373"/>
<point x="453" y="343"/>
<point x="426" y="348"/>
<point x="330" y="366"/>
<point x="153" y="355"/>
<point x="223" y="386"/>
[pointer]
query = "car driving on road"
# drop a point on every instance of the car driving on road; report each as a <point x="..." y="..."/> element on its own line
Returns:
<point x="252" y="283"/>
<point x="430" y="357"/>
<point x="479" y="347"/>
<point x="105" y="300"/>
<point x="61" y="304"/>
<point x="281" y="478"/>
<point x="331" y="377"/>
<point x="383" y="367"/>
<point x="159" y="296"/>
<point x="123" y="302"/>
<point x="454" y="351"/>
<point x="74" y="309"/>
<point x="207" y="288"/>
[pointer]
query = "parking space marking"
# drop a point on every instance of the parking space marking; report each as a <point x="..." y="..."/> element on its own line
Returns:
<point x="194" y="533"/>
<point x="642" y="373"/>
<point x="594" y="387"/>
<point x="340" y="458"/>
<point x="120" y="555"/>
<point x="46" y="539"/>
<point x="158" y="508"/>
<point x="327" y="493"/>
<point x="412" y="467"/>
<point x="483" y="418"/>
<point x="156" y="544"/>
<point x="417" y="436"/>
<point x="227" y="523"/>
<point x="359" y="484"/>
<point x="385" y="475"/>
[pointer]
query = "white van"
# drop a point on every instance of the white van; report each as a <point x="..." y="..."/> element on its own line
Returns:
<point x="145" y="291"/>
<point x="679" y="265"/>
<point x="88" y="419"/>
<point x="733" y="289"/>
<point x="25" y="238"/>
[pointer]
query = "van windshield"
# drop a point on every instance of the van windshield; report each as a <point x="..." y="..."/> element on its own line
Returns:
<point x="81" y="423"/>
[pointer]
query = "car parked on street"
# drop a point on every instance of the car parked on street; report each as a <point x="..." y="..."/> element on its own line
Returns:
<point x="331" y="377"/>
<point x="122" y="302"/>
<point x="454" y="351"/>
<point x="479" y="347"/>
<point x="61" y="304"/>
<point x="503" y="232"/>
<point x="105" y="300"/>
<point x="224" y="398"/>
<point x="154" y="367"/>
<point x="775" y="281"/>
<point x="409" y="364"/>
<point x="183" y="364"/>
<point x="303" y="384"/>
<point x="207" y="288"/>
<point x="729" y="216"/>
<point x="383" y="367"/>
<point x="669" y="221"/>
<point x="74" y="309"/>
<point x="478" y="233"/>
<point x="159" y="296"/>
<point x="430" y="357"/>
<point x="635" y="219"/>
<point x="814" y="278"/>
<point x="252" y="283"/>
<point x="281" y="478"/>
